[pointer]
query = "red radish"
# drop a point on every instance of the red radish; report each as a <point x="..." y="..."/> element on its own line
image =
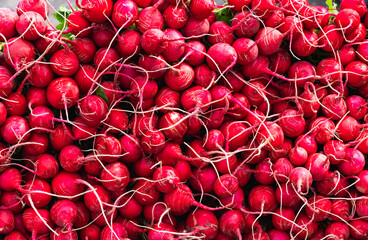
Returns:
<point x="358" y="35"/>
<point x="319" y="208"/>
<point x="153" y="142"/>
<point x="64" y="63"/>
<point x="64" y="213"/>
<point x="318" y="165"/>
<point x="346" y="54"/>
<point x="16" y="104"/>
<point x="278" y="235"/>
<point x="184" y="170"/>
<point x="301" y="179"/>
<point x="108" y="148"/>
<point x="124" y="14"/>
<point x="203" y="219"/>
<point x="201" y="9"/>
<point x="292" y="123"/>
<point x="221" y="57"/>
<point x="268" y="40"/>
<point x="112" y="232"/>
<point x="305" y="44"/>
<point x="358" y="229"/>
<point x="66" y="184"/>
<point x="78" y="24"/>
<point x="348" y="129"/>
<point x="356" y="73"/>
<point x="93" y="110"/>
<point x="174" y="49"/>
<point x="304" y="227"/>
<point x="232" y="223"/>
<point x="287" y="196"/>
<point x="41" y="117"/>
<point x="161" y="231"/>
<point x="272" y="135"/>
<point x="39" y="6"/>
<point x="39" y="144"/>
<point x="103" y="34"/>
<point x="246" y="49"/>
<point x="8" y="19"/>
<point x="282" y="168"/>
<point x="152" y="41"/>
<point x="91" y="232"/>
<point x="18" y="52"/>
<point x="167" y="179"/>
<point x="145" y="192"/>
<point x="356" y="106"/>
<point x="95" y="11"/>
<point x="173" y="125"/>
<point x="195" y="53"/>
<point x="11" y="200"/>
<point x="175" y="16"/>
<point x="15" y="235"/>
<point x="238" y="5"/>
<point x="7" y="221"/>
<point x="6" y="84"/>
<point x="316" y="16"/>
<point x="225" y="186"/>
<point x="105" y="59"/>
<point x="347" y="19"/>
<point x="130" y="207"/>
<point x="60" y="137"/>
<point x="263" y="173"/>
<point x="98" y="195"/>
<point x="335" y="151"/>
<point x="46" y="166"/>
<point x="70" y="158"/>
<point x="179" y="78"/>
<point x="204" y="179"/>
<point x="167" y="99"/>
<point x="62" y="93"/>
<point x="15" y="129"/>
<point x="332" y="185"/>
<point x="129" y="43"/>
<point x="339" y="230"/>
<point x="279" y="221"/>
<point x="155" y="66"/>
<point x="31" y="25"/>
<point x="37" y="97"/>
<point x="353" y="164"/>
<point x="85" y="77"/>
<point x="33" y="222"/>
<point x="84" y="49"/>
<point x="149" y="18"/>
<point x="330" y="38"/>
<point x="115" y="176"/>
<point x="322" y="128"/>
<point x="220" y="32"/>
<point x="262" y="198"/>
<point x="246" y="25"/>
<point x="40" y="75"/>
<point x="195" y="27"/>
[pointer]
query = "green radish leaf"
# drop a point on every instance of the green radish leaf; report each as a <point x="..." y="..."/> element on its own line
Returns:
<point x="2" y="44"/>
<point x="332" y="6"/>
<point x="101" y="93"/>
<point x="62" y="15"/>
<point x="224" y="15"/>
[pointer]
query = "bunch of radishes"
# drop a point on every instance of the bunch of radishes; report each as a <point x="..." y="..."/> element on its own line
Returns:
<point x="172" y="119"/>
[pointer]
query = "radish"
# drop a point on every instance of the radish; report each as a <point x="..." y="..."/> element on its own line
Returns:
<point x="130" y="208"/>
<point x="64" y="63"/>
<point x="220" y="32"/>
<point x="353" y="164"/>
<point x="129" y="43"/>
<point x="103" y="34"/>
<point x="112" y="232"/>
<point x="78" y="24"/>
<point x="15" y="130"/>
<point x="39" y="6"/>
<point x="33" y="222"/>
<point x="301" y="179"/>
<point x="318" y="165"/>
<point x="335" y="151"/>
<point x="16" y="104"/>
<point x="221" y="57"/>
<point x="232" y="223"/>
<point x="149" y="18"/>
<point x="339" y="230"/>
<point x="7" y="223"/>
<point x="95" y="11"/>
<point x="145" y="192"/>
<point x="11" y="200"/>
<point x="201" y="9"/>
<point x="18" y="52"/>
<point x="203" y="179"/>
<point x="262" y="198"/>
<point x="268" y="40"/>
<point x="347" y="19"/>
<point x="9" y="19"/>
<point x="62" y="93"/>
<point x="175" y="16"/>
<point x="246" y="50"/>
<point x="115" y="176"/>
<point x="64" y="214"/>
<point x="203" y="219"/>
<point x="174" y="49"/>
<point x="305" y="44"/>
<point x="124" y="14"/>
<point x="246" y="25"/>
<point x="358" y="229"/>
<point x="31" y="25"/>
<point x="179" y="78"/>
<point x="195" y="27"/>
<point x="153" y="213"/>
<point x="319" y="208"/>
<point x="66" y="185"/>
<point x="83" y="48"/>
<point x="283" y="218"/>
<point x="355" y="73"/>
<point x="91" y="232"/>
<point x="37" y="97"/>
<point x="46" y="166"/>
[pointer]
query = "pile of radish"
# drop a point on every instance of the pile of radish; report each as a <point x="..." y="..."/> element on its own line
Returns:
<point x="181" y="119"/>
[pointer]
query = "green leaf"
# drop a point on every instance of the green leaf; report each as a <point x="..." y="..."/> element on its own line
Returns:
<point x="224" y="15"/>
<point x="2" y="46"/>
<point x="62" y="15"/>
<point x="101" y="93"/>
<point x="332" y="6"/>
